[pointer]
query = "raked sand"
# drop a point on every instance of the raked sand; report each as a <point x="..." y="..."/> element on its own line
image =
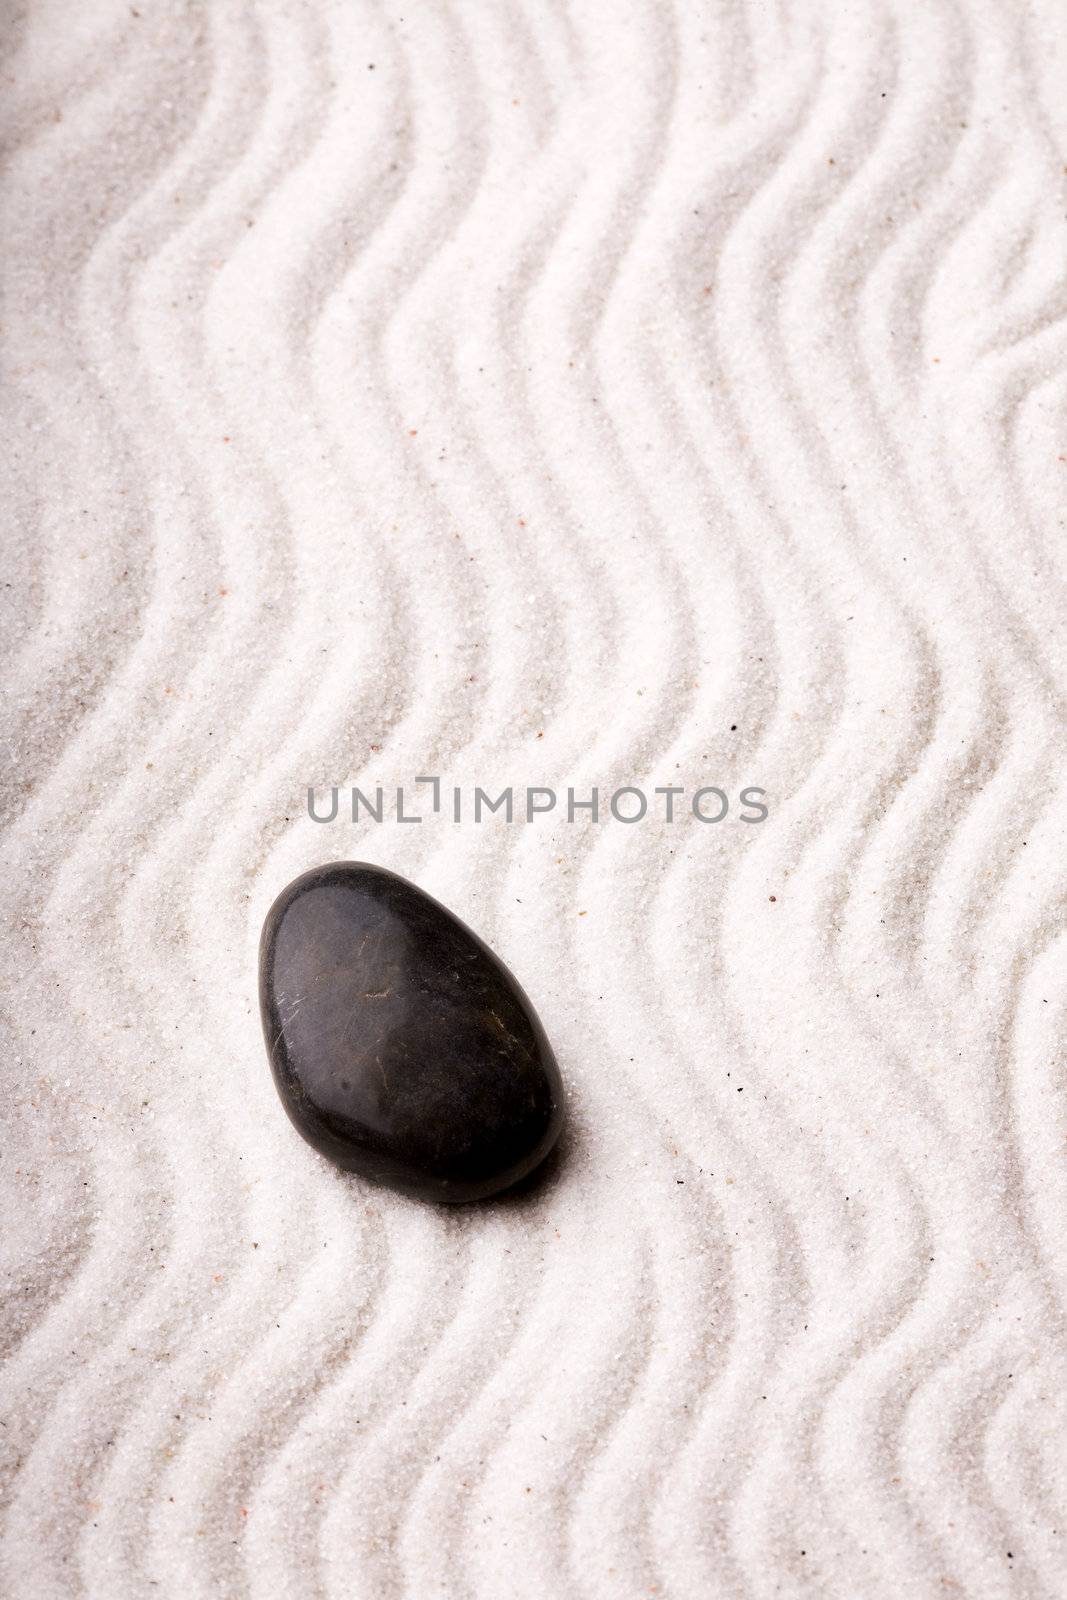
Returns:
<point x="554" y="394"/>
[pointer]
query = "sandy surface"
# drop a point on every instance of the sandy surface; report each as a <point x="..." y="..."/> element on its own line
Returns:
<point x="541" y="394"/>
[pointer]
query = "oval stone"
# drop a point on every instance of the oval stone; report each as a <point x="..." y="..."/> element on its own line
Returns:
<point x="401" y="1046"/>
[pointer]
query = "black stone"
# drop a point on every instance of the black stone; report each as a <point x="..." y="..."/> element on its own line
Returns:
<point x="401" y="1047"/>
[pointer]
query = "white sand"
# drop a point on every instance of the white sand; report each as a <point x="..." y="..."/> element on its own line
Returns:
<point x="594" y="393"/>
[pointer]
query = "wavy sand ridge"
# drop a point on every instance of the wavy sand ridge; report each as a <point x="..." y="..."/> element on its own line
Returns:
<point x="554" y="394"/>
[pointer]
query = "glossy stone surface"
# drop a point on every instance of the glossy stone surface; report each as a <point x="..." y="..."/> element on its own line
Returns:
<point x="401" y="1047"/>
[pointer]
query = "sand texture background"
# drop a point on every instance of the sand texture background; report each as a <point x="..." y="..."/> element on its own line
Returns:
<point x="541" y="393"/>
